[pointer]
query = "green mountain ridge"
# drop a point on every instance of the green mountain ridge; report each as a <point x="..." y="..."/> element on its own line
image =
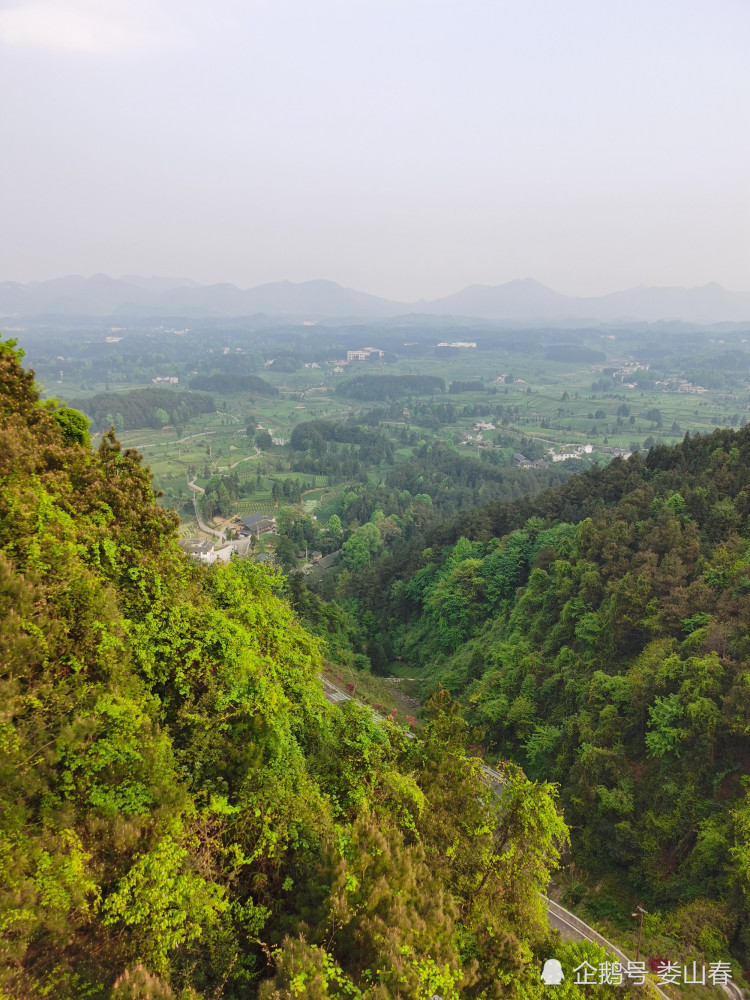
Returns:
<point x="598" y="633"/>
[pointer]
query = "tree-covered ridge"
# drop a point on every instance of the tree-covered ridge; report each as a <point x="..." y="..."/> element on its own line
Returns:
<point x="142" y="408"/>
<point x="316" y="444"/>
<point x="181" y="813"/>
<point x="381" y="387"/>
<point x="228" y="382"/>
<point x="601" y="639"/>
<point x="574" y="352"/>
<point x="312" y="433"/>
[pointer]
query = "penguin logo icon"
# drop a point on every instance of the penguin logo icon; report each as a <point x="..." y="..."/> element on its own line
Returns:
<point x="552" y="974"/>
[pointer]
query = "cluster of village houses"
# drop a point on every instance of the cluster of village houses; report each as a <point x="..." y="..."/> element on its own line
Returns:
<point x="255" y="525"/>
<point x="208" y="552"/>
<point x="625" y="372"/>
<point x="569" y="450"/>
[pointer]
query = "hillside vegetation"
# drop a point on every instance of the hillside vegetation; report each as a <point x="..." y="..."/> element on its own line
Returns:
<point x="234" y="383"/>
<point x="142" y="408"/>
<point x="599" y="634"/>
<point x="382" y="386"/>
<point x="182" y="814"/>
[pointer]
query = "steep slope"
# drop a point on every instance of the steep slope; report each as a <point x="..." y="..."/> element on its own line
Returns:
<point x="181" y="813"/>
<point x="599" y="634"/>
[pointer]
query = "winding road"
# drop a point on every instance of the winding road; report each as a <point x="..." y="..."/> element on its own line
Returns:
<point x="201" y="523"/>
<point x="571" y="927"/>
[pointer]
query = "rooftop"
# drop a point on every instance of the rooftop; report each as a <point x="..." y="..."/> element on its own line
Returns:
<point x="196" y="546"/>
<point x="257" y="520"/>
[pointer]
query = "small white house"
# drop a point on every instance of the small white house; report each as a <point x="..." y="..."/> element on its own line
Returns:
<point x="204" y="551"/>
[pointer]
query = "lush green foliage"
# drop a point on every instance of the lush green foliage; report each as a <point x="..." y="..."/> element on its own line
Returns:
<point x="381" y="387"/>
<point x="457" y="386"/>
<point x="599" y="635"/>
<point x="573" y="352"/>
<point x="181" y="813"/>
<point x="143" y="408"/>
<point x="319" y="442"/>
<point x="234" y="383"/>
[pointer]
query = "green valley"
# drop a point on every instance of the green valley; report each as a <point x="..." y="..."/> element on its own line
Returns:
<point x="182" y="813"/>
<point x="529" y="551"/>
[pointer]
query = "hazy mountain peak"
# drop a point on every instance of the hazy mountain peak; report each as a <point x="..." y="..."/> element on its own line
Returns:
<point x="521" y="299"/>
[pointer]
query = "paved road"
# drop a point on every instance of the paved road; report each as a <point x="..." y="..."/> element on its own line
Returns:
<point x="201" y="523"/>
<point x="571" y="927"/>
<point x="199" y="489"/>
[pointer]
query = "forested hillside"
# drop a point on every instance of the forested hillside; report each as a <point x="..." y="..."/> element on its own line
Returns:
<point x="182" y="814"/>
<point x="599" y="634"/>
<point x="234" y="383"/>
<point x="382" y="387"/>
<point x="142" y="408"/>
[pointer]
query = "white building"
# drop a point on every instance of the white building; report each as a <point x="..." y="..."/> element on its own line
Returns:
<point x="363" y="354"/>
<point x="203" y="551"/>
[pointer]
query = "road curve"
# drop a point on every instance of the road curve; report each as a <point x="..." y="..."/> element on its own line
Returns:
<point x="571" y="927"/>
<point x="201" y="523"/>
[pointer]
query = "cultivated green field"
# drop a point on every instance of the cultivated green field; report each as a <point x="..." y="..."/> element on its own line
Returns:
<point x="532" y="403"/>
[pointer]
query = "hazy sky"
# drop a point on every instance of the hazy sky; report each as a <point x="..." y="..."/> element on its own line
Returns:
<point x="403" y="147"/>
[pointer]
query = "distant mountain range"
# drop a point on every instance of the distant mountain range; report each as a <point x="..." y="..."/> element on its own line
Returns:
<point x="525" y="300"/>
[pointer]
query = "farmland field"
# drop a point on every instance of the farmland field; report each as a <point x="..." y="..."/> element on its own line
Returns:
<point x="549" y="404"/>
<point x="507" y="400"/>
